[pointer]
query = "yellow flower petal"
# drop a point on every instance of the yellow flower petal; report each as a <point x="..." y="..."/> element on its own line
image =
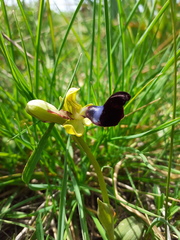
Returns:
<point x="74" y="127"/>
<point x="70" y="103"/>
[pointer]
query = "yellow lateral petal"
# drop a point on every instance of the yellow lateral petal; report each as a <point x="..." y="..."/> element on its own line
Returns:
<point x="70" y="103"/>
<point x="74" y="127"/>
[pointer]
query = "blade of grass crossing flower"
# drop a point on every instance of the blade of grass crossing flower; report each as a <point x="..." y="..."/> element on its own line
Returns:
<point x="62" y="203"/>
<point x="61" y="47"/>
<point x="38" y="35"/>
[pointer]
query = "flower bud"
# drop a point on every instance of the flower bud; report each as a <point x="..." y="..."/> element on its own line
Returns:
<point x="46" y="112"/>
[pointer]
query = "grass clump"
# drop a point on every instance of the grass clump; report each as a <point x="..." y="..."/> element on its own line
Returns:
<point x="119" y="46"/>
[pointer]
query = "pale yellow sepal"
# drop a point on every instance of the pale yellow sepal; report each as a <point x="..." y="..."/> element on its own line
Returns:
<point x="44" y="111"/>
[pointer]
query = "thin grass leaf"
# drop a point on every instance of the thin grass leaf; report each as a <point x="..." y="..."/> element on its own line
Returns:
<point x="173" y="18"/>
<point x="37" y="44"/>
<point x="84" y="229"/>
<point x="108" y="42"/>
<point x="154" y="130"/>
<point x="25" y="53"/>
<point x="39" y="228"/>
<point x="153" y="22"/>
<point x="26" y="21"/>
<point x="161" y="220"/>
<point x="35" y="156"/>
<point x="18" y="77"/>
<point x="17" y="224"/>
<point x="7" y="22"/>
<point x="123" y="45"/>
<point x="99" y="226"/>
<point x="49" y="12"/>
<point x="62" y="203"/>
<point x="92" y="51"/>
<point x="53" y="80"/>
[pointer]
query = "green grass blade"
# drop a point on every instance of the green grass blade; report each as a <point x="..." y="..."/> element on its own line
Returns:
<point x="25" y="53"/>
<point x="173" y="18"/>
<point x="53" y="80"/>
<point x="154" y="21"/>
<point x="108" y="43"/>
<point x="84" y="229"/>
<point x="17" y="75"/>
<point x="34" y="158"/>
<point x="92" y="51"/>
<point x="51" y="29"/>
<point x="62" y="203"/>
<point x="37" y="45"/>
<point x="39" y="228"/>
<point x="154" y="130"/>
<point x="26" y="21"/>
<point x="4" y="11"/>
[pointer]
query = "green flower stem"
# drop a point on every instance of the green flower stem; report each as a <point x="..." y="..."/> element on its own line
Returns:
<point x="80" y="141"/>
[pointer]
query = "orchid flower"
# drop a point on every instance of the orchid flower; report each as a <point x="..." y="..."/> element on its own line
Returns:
<point x="73" y="116"/>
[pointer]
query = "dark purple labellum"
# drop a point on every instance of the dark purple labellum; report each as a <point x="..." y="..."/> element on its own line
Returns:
<point x="111" y="112"/>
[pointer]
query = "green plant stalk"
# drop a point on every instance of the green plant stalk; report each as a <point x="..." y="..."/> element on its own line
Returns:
<point x="80" y="141"/>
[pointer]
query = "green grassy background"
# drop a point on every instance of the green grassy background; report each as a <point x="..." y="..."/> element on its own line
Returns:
<point x="122" y="46"/>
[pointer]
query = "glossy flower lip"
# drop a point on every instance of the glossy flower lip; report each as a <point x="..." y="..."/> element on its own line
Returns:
<point x="111" y="112"/>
